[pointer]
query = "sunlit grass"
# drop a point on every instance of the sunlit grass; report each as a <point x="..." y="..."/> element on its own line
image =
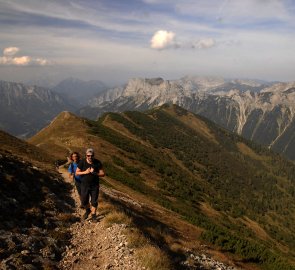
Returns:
<point x="153" y="258"/>
<point x="116" y="218"/>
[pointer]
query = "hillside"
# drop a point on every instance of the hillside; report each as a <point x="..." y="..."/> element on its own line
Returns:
<point x="29" y="152"/>
<point x="35" y="207"/>
<point x="240" y="195"/>
<point x="44" y="230"/>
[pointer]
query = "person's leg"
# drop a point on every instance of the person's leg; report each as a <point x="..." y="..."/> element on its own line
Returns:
<point x="85" y="190"/>
<point x="94" y="198"/>
<point x="78" y="187"/>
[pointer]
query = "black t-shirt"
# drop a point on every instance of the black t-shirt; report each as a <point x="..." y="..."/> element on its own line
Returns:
<point x="91" y="178"/>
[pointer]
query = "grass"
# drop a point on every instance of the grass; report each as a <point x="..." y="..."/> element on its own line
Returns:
<point x="66" y="218"/>
<point x="135" y="238"/>
<point x="148" y="255"/>
<point x="116" y="218"/>
<point x="153" y="258"/>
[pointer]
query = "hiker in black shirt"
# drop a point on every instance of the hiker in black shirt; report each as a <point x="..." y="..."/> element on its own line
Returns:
<point x="90" y="169"/>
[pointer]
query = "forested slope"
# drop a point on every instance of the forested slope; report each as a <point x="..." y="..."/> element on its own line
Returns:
<point x="185" y="162"/>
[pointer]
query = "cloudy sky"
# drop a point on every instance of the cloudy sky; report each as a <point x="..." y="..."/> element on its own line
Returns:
<point x="114" y="40"/>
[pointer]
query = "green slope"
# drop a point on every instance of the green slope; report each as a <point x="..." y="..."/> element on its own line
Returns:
<point x="186" y="162"/>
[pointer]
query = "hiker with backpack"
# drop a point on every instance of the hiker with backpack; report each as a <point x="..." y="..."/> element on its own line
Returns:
<point x="75" y="158"/>
<point x="90" y="169"/>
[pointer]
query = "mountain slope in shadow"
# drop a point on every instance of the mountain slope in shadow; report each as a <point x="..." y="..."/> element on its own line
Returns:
<point x="35" y="207"/>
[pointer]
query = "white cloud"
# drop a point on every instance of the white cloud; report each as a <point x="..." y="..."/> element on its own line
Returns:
<point x="10" y="59"/>
<point x="21" y="61"/>
<point x="10" y="51"/>
<point x="162" y="39"/>
<point x="205" y="43"/>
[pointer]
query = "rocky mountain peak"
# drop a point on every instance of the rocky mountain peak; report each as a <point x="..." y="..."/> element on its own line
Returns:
<point x="279" y="87"/>
<point x="248" y="107"/>
<point x="146" y="87"/>
<point x="154" y="81"/>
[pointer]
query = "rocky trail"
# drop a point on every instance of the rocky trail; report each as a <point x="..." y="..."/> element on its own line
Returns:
<point x="97" y="245"/>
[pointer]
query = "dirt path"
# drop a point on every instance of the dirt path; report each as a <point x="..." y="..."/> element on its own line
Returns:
<point x="97" y="245"/>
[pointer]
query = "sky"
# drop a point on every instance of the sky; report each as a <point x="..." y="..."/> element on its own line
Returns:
<point x="115" y="40"/>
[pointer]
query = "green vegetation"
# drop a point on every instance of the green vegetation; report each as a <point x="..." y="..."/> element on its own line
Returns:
<point x="193" y="169"/>
<point x="247" y="249"/>
<point x="126" y="178"/>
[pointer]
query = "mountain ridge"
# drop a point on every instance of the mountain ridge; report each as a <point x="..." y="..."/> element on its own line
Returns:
<point x="206" y="179"/>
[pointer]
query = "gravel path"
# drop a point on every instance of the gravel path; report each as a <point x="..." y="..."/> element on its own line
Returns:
<point x="96" y="246"/>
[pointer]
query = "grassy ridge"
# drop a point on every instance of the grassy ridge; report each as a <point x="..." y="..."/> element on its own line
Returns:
<point x="232" y="182"/>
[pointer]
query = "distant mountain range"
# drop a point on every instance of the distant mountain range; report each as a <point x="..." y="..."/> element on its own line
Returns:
<point x="240" y="196"/>
<point x="256" y="110"/>
<point x="24" y="110"/>
<point x="259" y="111"/>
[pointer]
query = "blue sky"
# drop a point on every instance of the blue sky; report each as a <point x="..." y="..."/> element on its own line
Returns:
<point x="113" y="41"/>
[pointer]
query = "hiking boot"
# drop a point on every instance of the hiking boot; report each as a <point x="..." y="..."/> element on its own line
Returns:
<point x="86" y="214"/>
<point x="93" y="216"/>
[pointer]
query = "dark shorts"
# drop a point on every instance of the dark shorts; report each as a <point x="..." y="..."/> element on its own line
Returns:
<point x="78" y="187"/>
<point x="89" y="191"/>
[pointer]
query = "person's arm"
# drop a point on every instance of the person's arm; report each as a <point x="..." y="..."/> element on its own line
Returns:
<point x="79" y="172"/>
<point x="101" y="173"/>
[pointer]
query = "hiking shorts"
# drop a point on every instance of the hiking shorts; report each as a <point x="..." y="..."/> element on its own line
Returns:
<point x="78" y="187"/>
<point x="89" y="191"/>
